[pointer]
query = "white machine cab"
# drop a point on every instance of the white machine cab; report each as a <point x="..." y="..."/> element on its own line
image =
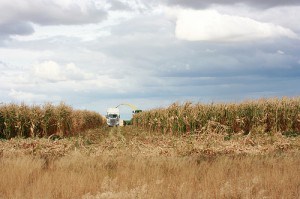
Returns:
<point x="113" y="117"/>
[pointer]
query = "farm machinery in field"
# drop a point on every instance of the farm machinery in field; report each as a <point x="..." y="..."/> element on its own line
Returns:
<point x="113" y="115"/>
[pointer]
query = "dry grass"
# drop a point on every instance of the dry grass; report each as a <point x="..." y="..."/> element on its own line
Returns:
<point x="130" y="163"/>
<point x="81" y="176"/>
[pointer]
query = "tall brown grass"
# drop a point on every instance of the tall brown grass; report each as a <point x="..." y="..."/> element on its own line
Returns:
<point x="263" y="116"/>
<point x="130" y="163"/>
<point x="31" y="121"/>
<point x="83" y="176"/>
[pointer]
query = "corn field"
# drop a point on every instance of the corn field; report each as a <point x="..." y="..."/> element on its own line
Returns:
<point x="260" y="116"/>
<point x="42" y="121"/>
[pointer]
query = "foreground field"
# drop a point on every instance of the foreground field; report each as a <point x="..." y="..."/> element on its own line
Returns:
<point x="131" y="163"/>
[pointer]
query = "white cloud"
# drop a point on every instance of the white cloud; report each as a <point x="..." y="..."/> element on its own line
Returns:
<point x="74" y="73"/>
<point x="22" y="96"/>
<point x="52" y="71"/>
<point x="286" y="16"/>
<point x="210" y="50"/>
<point x="49" y="70"/>
<point x="210" y="25"/>
<point x="280" y="52"/>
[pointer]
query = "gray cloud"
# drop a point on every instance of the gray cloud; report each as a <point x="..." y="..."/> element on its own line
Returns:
<point x="50" y="12"/>
<point x="17" y="16"/>
<point x="118" y="5"/>
<point x="254" y="3"/>
<point x="3" y="64"/>
<point x="20" y="28"/>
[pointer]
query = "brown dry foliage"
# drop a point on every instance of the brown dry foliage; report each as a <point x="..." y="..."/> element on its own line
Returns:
<point x="263" y="116"/>
<point x="130" y="163"/>
<point x="42" y="121"/>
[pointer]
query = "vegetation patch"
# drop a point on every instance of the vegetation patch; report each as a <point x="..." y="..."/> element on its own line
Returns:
<point x="44" y="121"/>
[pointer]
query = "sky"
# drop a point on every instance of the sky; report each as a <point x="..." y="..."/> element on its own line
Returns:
<point x="95" y="54"/>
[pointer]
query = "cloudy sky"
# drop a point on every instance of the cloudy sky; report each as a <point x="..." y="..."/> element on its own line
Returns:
<point x="94" y="54"/>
